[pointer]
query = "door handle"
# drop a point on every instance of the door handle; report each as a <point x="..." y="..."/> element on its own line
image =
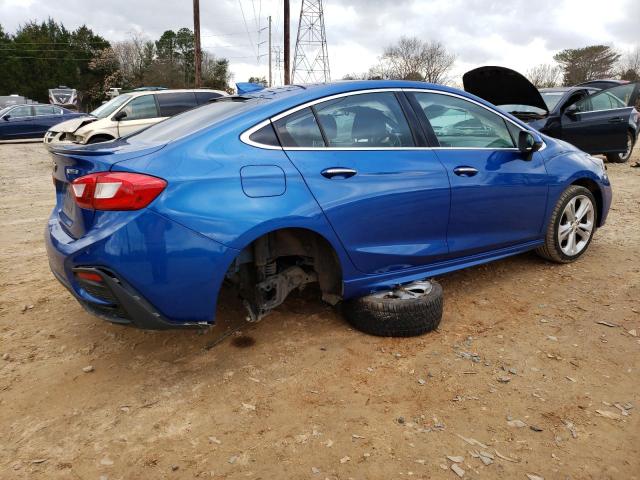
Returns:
<point x="338" y="172"/>
<point x="465" y="171"/>
<point x="616" y="120"/>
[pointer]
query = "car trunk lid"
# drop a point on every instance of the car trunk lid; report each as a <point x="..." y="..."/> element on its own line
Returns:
<point x="71" y="162"/>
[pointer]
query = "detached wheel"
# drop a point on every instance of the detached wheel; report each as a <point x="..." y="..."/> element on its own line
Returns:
<point x="407" y="311"/>
<point x="623" y="157"/>
<point x="571" y="227"/>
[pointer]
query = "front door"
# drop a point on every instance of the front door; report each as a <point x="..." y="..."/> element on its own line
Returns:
<point x="498" y="194"/>
<point x="387" y="200"/>
<point x="141" y="112"/>
<point x="599" y="123"/>
<point x="20" y="122"/>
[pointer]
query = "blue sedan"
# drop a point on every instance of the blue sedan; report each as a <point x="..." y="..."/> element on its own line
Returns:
<point x="356" y="186"/>
<point x="31" y="121"/>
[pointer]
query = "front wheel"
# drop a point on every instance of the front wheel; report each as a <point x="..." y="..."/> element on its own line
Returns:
<point x="626" y="155"/>
<point x="572" y="225"/>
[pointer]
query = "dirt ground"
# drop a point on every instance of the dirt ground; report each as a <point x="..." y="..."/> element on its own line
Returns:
<point x="519" y="369"/>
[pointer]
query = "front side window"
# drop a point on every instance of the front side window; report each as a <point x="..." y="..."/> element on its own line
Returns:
<point x="458" y="123"/>
<point x="368" y="120"/>
<point x="616" y="97"/>
<point x="299" y="129"/>
<point x="140" y="108"/>
<point x="21" y="111"/>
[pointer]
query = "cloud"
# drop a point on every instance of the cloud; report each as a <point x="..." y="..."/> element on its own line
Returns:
<point x="515" y="33"/>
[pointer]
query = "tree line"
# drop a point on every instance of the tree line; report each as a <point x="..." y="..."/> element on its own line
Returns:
<point x="40" y="56"/>
<point x="412" y="58"/>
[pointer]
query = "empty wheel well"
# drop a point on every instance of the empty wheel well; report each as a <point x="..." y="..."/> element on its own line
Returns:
<point x="592" y="186"/>
<point x="273" y="265"/>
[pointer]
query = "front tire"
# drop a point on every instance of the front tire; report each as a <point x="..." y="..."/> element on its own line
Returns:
<point x="572" y="225"/>
<point x="623" y="157"/>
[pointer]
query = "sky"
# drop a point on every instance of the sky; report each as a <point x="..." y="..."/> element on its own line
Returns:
<point x="517" y="34"/>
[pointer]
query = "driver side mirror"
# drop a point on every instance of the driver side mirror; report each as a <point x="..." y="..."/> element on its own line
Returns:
<point x="571" y="110"/>
<point x="529" y="142"/>
<point x="120" y="115"/>
<point x="6" y="117"/>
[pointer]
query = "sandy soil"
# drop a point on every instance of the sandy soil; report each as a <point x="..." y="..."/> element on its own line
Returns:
<point x="519" y="368"/>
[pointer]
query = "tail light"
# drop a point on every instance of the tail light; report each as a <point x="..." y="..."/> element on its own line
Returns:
<point x="116" y="190"/>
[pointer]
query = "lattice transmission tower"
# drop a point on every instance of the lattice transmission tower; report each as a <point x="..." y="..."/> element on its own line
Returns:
<point x="311" y="60"/>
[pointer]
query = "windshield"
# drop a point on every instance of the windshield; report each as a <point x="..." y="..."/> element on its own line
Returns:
<point x="192" y="120"/>
<point x="111" y="106"/>
<point x="552" y="99"/>
<point x="4" y="110"/>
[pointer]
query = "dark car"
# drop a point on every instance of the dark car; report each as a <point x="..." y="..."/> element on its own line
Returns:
<point x="602" y="84"/>
<point x="596" y="121"/>
<point x="31" y="121"/>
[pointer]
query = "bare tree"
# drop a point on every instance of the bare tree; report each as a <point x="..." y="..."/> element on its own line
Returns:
<point x="545" y="75"/>
<point x="630" y="65"/>
<point x="135" y="56"/>
<point x="415" y="59"/>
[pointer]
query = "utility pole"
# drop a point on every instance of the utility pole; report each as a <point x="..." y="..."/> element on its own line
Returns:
<point x="287" y="44"/>
<point x="198" y="52"/>
<point x="270" y="83"/>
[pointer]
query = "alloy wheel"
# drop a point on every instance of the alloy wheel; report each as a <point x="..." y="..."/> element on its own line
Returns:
<point x="576" y="225"/>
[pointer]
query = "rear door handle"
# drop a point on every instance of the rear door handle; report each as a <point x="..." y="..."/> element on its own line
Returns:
<point x="338" y="172"/>
<point x="465" y="171"/>
<point x="616" y="120"/>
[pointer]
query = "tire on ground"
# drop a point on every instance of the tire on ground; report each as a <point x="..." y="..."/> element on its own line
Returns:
<point x="623" y="157"/>
<point x="551" y="249"/>
<point x="393" y="317"/>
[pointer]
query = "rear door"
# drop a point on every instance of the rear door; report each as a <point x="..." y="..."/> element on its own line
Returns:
<point x="384" y="193"/>
<point x="498" y="194"/>
<point x="141" y="112"/>
<point x="599" y="123"/>
<point x="45" y="117"/>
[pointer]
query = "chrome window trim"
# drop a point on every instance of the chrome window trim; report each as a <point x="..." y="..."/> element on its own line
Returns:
<point x="244" y="136"/>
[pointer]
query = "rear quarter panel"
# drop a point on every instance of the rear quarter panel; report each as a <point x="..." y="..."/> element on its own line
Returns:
<point x="205" y="190"/>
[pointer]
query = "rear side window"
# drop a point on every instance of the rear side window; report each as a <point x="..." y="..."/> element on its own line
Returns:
<point x="368" y="120"/>
<point x="174" y="103"/>
<point x="265" y="136"/>
<point x="140" y="108"/>
<point x="299" y="129"/>
<point x="46" y="110"/>
<point x="458" y="123"/>
<point x="204" y="97"/>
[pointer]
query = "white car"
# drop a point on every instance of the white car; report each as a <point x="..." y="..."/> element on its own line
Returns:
<point x="127" y="113"/>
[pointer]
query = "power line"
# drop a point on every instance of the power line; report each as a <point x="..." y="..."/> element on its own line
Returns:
<point x="244" y="19"/>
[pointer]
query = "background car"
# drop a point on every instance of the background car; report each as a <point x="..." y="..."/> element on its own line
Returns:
<point x="127" y="113"/>
<point x="596" y="121"/>
<point x="347" y="185"/>
<point x="31" y="121"/>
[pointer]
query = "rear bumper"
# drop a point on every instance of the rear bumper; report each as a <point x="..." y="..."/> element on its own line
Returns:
<point x="155" y="273"/>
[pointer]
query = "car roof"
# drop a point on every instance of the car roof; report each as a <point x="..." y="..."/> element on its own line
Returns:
<point x="175" y="90"/>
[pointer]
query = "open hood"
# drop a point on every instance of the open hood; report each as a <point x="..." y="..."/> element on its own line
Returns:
<point x="503" y="86"/>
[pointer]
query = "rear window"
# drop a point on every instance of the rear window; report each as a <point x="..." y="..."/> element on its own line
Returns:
<point x="191" y="121"/>
<point x="174" y="103"/>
